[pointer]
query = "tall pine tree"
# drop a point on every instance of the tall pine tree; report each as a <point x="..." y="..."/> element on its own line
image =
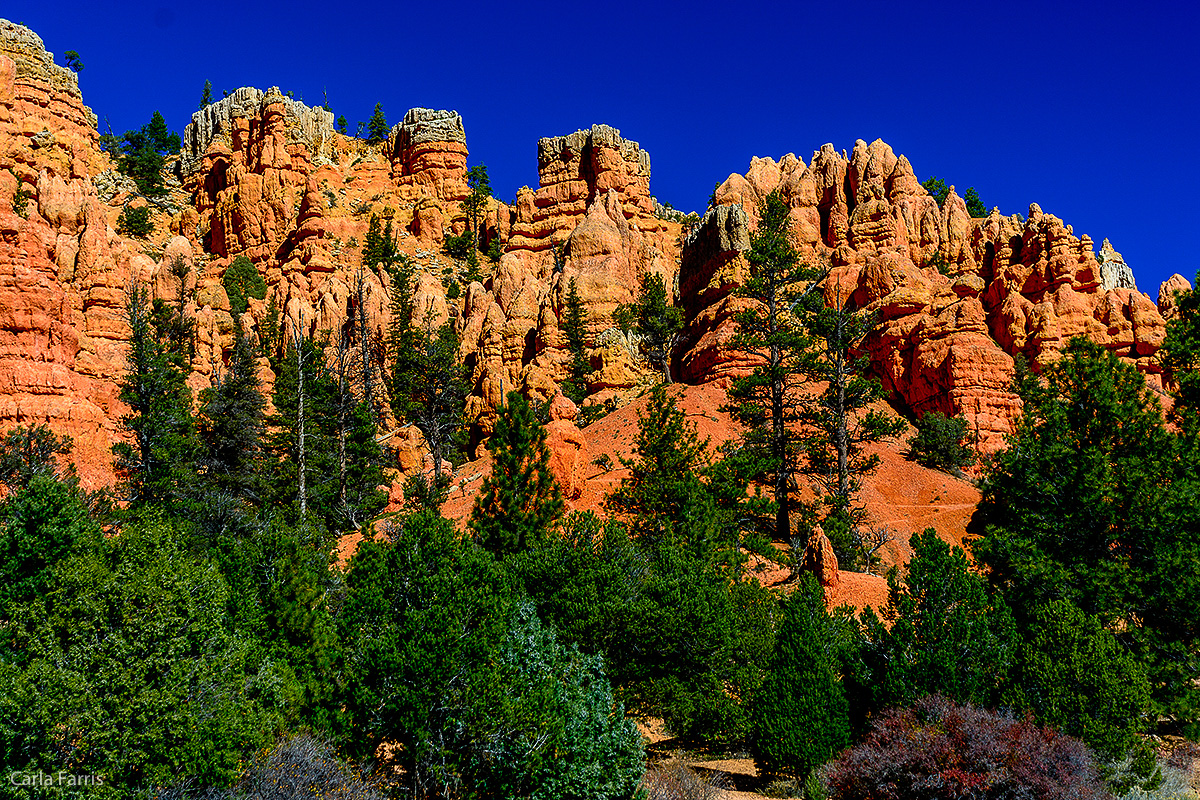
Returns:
<point x="519" y="502"/>
<point x="158" y="466"/>
<point x="232" y="425"/>
<point x="770" y="401"/>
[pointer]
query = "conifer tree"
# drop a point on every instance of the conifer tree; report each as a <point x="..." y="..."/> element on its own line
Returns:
<point x="158" y="466"/>
<point x="377" y="128"/>
<point x="574" y="327"/>
<point x="231" y="425"/>
<point x="770" y="401"/>
<point x="476" y="203"/>
<point x="837" y="424"/>
<point x="520" y="501"/>
<point x="656" y="320"/>
<point x="206" y="95"/>
<point x="428" y="382"/>
<point x="799" y="715"/>
<point x="1093" y="503"/>
<point x="663" y="497"/>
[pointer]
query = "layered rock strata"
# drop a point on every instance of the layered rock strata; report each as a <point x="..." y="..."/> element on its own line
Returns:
<point x="428" y="152"/>
<point x="957" y="298"/>
<point x="63" y="271"/>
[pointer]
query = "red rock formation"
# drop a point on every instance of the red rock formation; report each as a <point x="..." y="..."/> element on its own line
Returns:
<point x="63" y="272"/>
<point x="1007" y="286"/>
<point x="567" y="446"/>
<point x="429" y="155"/>
<point x="821" y="561"/>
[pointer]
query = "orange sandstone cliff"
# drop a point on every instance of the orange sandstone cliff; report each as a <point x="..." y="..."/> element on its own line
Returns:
<point x="266" y="177"/>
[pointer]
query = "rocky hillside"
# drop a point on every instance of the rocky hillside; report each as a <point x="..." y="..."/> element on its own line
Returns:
<point x="264" y="176"/>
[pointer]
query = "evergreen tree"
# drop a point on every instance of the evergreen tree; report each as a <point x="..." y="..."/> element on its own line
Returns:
<point x="1180" y="355"/>
<point x="206" y="97"/>
<point x="26" y="453"/>
<point x="942" y="635"/>
<point x="770" y="401"/>
<point x="656" y="321"/>
<point x="938" y="443"/>
<point x="574" y="328"/>
<point x="242" y="280"/>
<point x="520" y="501"/>
<point x="1078" y="678"/>
<point x="663" y="497"/>
<point x="304" y="482"/>
<point x="143" y="152"/>
<point x="975" y="206"/>
<point x="231" y="425"/>
<point x="341" y="124"/>
<point x="1093" y="503"/>
<point x="480" y="188"/>
<point x="129" y="670"/>
<point x="837" y="427"/>
<point x="429" y="382"/>
<point x="72" y="62"/>
<point x="800" y="718"/>
<point x="157" y="468"/>
<point x="377" y="127"/>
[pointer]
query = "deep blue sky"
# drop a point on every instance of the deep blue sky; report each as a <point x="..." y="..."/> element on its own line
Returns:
<point x="1090" y="109"/>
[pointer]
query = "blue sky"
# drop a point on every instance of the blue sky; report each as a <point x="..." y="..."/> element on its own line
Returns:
<point x="1092" y="110"/>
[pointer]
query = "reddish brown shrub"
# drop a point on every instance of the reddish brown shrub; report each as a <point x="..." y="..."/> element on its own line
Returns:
<point x="938" y="750"/>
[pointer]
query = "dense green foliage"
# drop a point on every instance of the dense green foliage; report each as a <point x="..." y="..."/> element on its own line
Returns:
<point x="143" y="151"/>
<point x="800" y="718"/>
<point x="1094" y="503"/>
<point x="72" y="62"/>
<point x="1076" y="676"/>
<point x="135" y="221"/>
<point x="939" y="442"/>
<point x="155" y="467"/>
<point x="242" y="280"/>
<point x="519" y="502"/>
<point x="943" y="635"/>
<point x="206" y="96"/>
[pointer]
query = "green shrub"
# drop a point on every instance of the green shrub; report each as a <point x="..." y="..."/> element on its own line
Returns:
<point x="799" y="715"/>
<point x="21" y="198"/>
<point x="939" y="443"/>
<point x="135" y="221"/>
<point x="458" y="246"/>
<point x="242" y="280"/>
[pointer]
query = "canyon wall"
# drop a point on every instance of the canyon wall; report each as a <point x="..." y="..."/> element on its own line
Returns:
<point x="958" y="298"/>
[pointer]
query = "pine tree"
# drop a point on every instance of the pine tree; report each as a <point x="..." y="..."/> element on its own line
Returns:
<point x="232" y="425"/>
<point x="656" y="320"/>
<point x="157" y="468"/>
<point x="377" y="128"/>
<point x="770" y="401"/>
<point x="519" y="502"/>
<point x="206" y="95"/>
<point x="428" y="381"/>
<point x="799" y="716"/>
<point x="943" y="635"/>
<point x="475" y="204"/>
<point x="574" y="328"/>
<point x="341" y="124"/>
<point x="663" y="497"/>
<point x="1093" y="503"/>
<point x="837" y="426"/>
